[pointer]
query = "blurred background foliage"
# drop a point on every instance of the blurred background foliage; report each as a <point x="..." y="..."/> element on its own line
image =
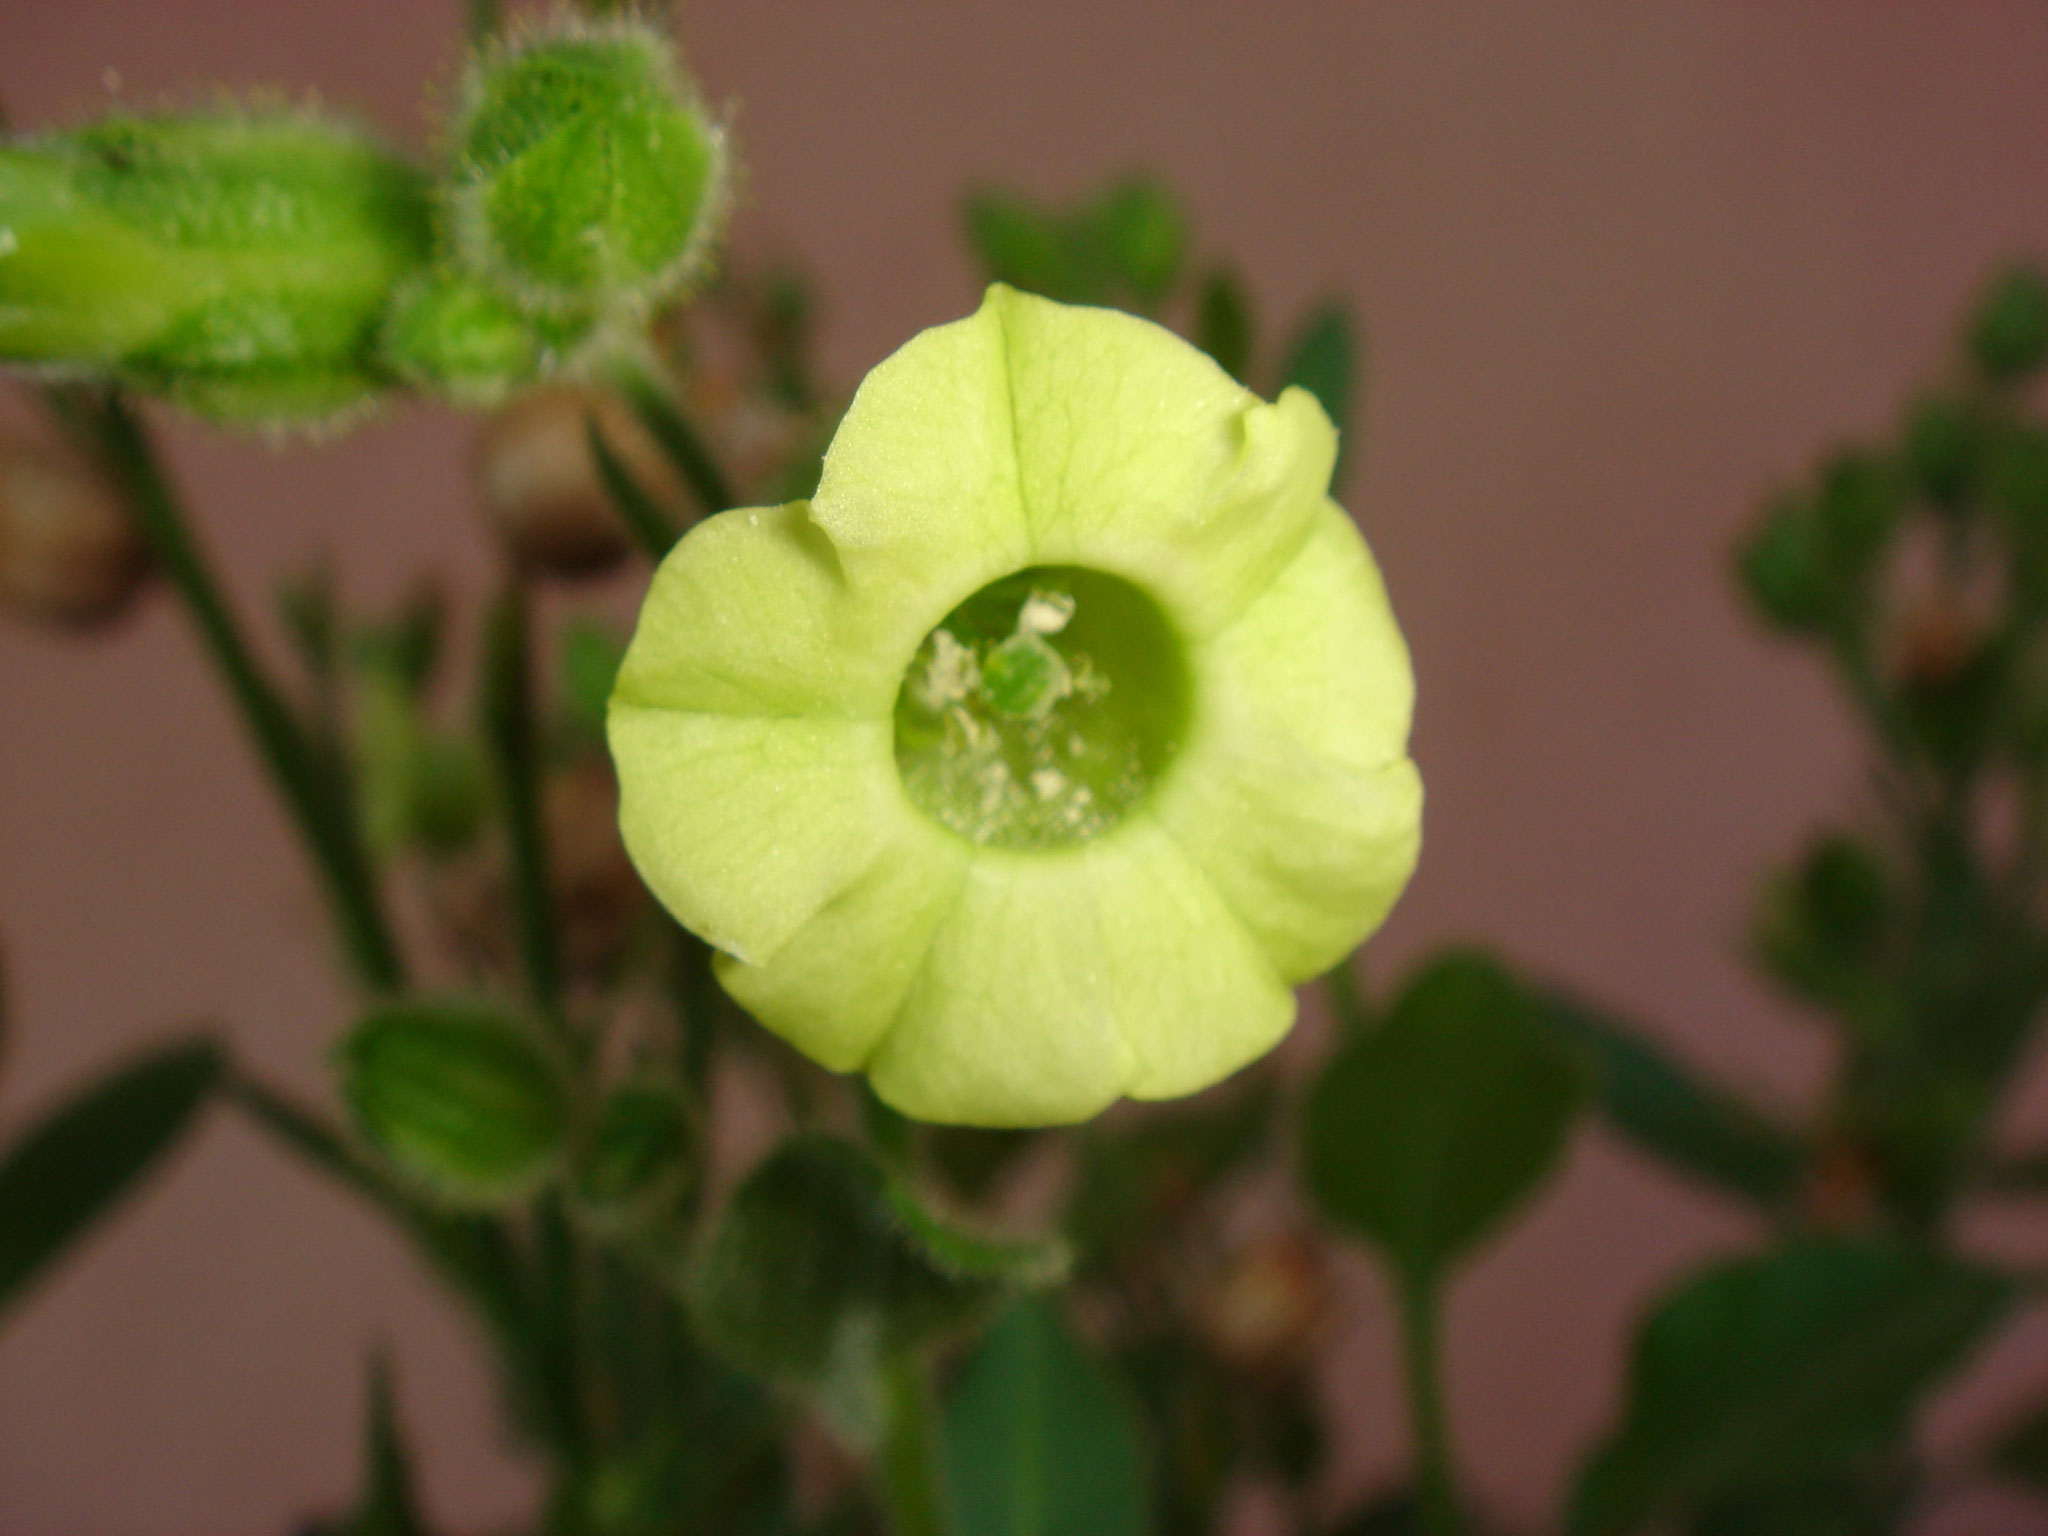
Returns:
<point x="891" y="1326"/>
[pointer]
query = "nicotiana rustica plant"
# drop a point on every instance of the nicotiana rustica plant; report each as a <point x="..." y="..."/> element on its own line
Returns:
<point x="1010" y="738"/>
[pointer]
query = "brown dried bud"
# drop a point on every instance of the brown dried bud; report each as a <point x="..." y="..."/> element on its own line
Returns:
<point x="1936" y="641"/>
<point x="1266" y="1309"/>
<point x="70" y="553"/>
<point x="541" y="486"/>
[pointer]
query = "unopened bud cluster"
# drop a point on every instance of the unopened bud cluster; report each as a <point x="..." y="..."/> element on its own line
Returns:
<point x="269" y="264"/>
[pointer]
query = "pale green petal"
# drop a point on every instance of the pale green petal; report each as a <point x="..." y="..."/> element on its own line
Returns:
<point x="1063" y="981"/>
<point x="750" y="615"/>
<point x="835" y="988"/>
<point x="919" y="491"/>
<point x="746" y="826"/>
<point x="1138" y="455"/>
<point x="1294" y="792"/>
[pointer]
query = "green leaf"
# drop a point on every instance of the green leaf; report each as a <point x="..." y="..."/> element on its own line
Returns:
<point x="459" y="1095"/>
<point x="388" y="1506"/>
<point x="1783" y="568"/>
<point x="2008" y="336"/>
<point x="2022" y="1451"/>
<point x="1424" y="1134"/>
<point x="823" y="1264"/>
<point x="1323" y="360"/>
<point x="73" y="1168"/>
<point x="1797" y="1363"/>
<point x="1038" y="1440"/>
<point x="1694" y="1126"/>
<point x="1143" y="235"/>
<point x="1223" y="323"/>
<point x="1018" y="244"/>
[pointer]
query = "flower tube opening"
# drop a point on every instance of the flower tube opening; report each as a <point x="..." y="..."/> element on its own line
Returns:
<point x="1042" y="709"/>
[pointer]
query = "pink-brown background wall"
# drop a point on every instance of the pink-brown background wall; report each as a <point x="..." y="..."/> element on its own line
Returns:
<point x="1623" y="266"/>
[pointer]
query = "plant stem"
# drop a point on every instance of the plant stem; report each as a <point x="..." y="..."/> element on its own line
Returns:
<point x="309" y="790"/>
<point x="1421" y="1330"/>
<point x="515" y="749"/>
<point x="636" y="506"/>
<point x="679" y="440"/>
<point x="910" y="1453"/>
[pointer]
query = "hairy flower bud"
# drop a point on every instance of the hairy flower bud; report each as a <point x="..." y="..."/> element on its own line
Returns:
<point x="587" y="175"/>
<point x="459" y="1096"/>
<point x="69" y="551"/>
<point x="637" y="1155"/>
<point x="239" y="262"/>
<point x="452" y="333"/>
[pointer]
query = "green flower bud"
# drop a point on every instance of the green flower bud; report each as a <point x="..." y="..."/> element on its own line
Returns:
<point x="460" y="1096"/>
<point x="586" y="171"/>
<point x="70" y="553"/>
<point x="2009" y="333"/>
<point x="1033" y="760"/>
<point x="453" y="334"/>
<point x="1783" y="569"/>
<point x="637" y="1156"/>
<point x="239" y="262"/>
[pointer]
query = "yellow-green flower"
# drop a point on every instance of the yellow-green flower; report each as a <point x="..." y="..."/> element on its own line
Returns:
<point x="1032" y="761"/>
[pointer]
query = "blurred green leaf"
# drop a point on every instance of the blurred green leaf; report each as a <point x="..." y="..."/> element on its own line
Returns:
<point x="1827" y="930"/>
<point x="1783" y="570"/>
<point x="1426" y="1132"/>
<point x="460" y="1095"/>
<point x="1696" y="1127"/>
<point x="1859" y="504"/>
<point x="1018" y="243"/>
<point x="388" y="1506"/>
<point x="1143" y="235"/>
<point x="1765" y="1370"/>
<point x="1223" y="323"/>
<point x="823" y="1264"/>
<point x="1322" y="359"/>
<point x="2008" y="335"/>
<point x="72" y="1168"/>
<point x="1038" y="1440"/>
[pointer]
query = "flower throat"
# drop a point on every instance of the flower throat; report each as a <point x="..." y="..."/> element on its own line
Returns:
<point x="1042" y="709"/>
